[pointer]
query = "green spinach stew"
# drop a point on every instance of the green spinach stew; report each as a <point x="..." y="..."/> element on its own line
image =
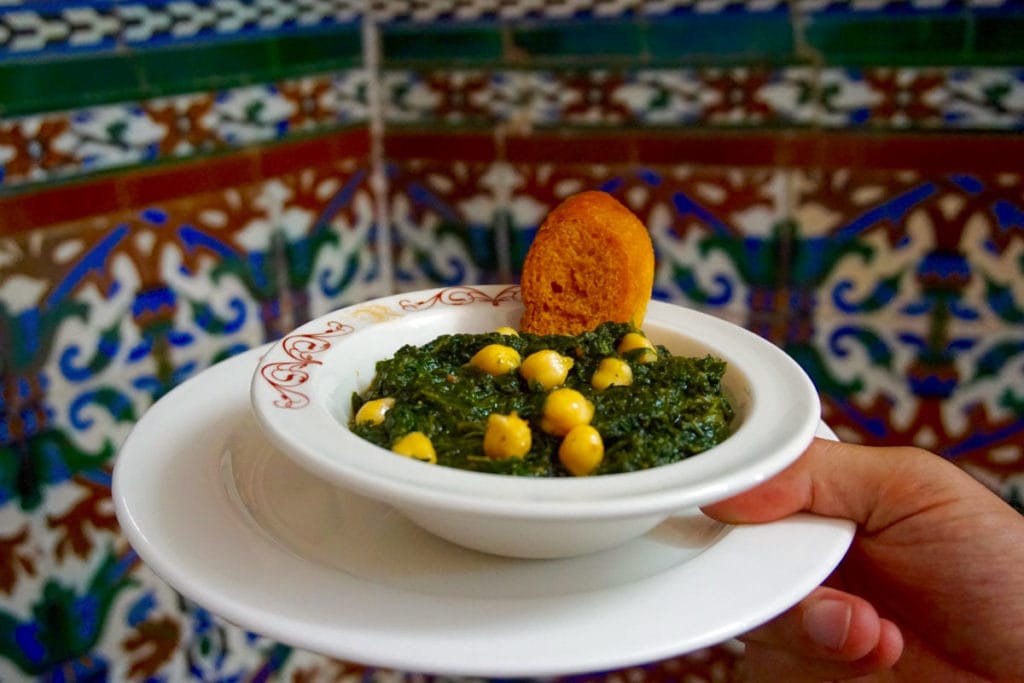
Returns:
<point x="605" y="401"/>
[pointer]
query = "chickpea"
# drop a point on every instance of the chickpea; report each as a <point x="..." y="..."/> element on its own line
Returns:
<point x="635" y="340"/>
<point x="507" y="436"/>
<point x="496" y="359"/>
<point x="416" y="445"/>
<point x="582" y="450"/>
<point x="374" y="411"/>
<point x="547" y="368"/>
<point x="564" y="409"/>
<point x="612" y="372"/>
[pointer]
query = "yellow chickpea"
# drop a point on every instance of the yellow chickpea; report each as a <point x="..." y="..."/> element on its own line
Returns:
<point x="612" y="372"/>
<point x="635" y="340"/>
<point x="564" y="409"/>
<point x="416" y="445"/>
<point x="496" y="359"/>
<point x="374" y="411"/>
<point x="507" y="436"/>
<point x="507" y="331"/>
<point x="582" y="450"/>
<point x="547" y="368"/>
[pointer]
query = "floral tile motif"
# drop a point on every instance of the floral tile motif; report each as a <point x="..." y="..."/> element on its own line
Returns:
<point x="62" y="144"/>
<point x="916" y="333"/>
<point x="59" y="145"/>
<point x="99" y="319"/>
<point x="31" y="29"/>
<point x="543" y="98"/>
<point x="447" y="224"/>
<point x="902" y="98"/>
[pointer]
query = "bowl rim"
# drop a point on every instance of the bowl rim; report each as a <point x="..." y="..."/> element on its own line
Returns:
<point x="297" y="420"/>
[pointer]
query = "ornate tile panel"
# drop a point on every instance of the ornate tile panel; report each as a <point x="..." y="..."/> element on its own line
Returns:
<point x="908" y="32"/>
<point x="917" y="336"/>
<point x="32" y="29"/>
<point x="447" y="224"/>
<point x="131" y="75"/>
<point x="454" y="11"/>
<point x="99" y="318"/>
<point x="63" y="144"/>
<point x="903" y="98"/>
<point x="58" y="145"/>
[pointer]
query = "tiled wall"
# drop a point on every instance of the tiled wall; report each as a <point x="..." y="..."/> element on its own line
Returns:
<point x="183" y="180"/>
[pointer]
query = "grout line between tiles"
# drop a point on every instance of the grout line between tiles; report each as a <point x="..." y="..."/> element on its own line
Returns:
<point x="378" y="174"/>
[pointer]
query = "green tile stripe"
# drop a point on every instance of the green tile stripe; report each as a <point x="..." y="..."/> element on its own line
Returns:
<point x="683" y="40"/>
<point x="57" y="84"/>
<point x="996" y="40"/>
<point x="966" y="39"/>
<point x="724" y="39"/>
<point x="857" y="41"/>
<point x="439" y="43"/>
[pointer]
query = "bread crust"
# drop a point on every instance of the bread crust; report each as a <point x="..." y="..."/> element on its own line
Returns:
<point x="591" y="262"/>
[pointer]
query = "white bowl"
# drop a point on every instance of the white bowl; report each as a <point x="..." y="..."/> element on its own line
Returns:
<point x="301" y="395"/>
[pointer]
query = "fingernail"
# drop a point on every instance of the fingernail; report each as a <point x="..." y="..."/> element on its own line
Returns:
<point x="827" y="622"/>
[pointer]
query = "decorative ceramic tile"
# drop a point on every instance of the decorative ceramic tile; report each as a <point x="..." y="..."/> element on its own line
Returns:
<point x="587" y="98"/>
<point x="63" y="144"/>
<point x="721" y="38"/>
<point x="949" y="239"/>
<point x="39" y="148"/>
<point x="884" y="38"/>
<point x="424" y="12"/>
<point x="32" y="28"/>
<point x="130" y="75"/>
<point x="882" y="98"/>
<point x="900" y="6"/>
<point x="434" y="11"/>
<point x="446" y="224"/>
<point x="99" y="319"/>
<point x="915" y="337"/>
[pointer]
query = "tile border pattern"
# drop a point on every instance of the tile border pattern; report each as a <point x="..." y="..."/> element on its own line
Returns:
<point x="890" y="98"/>
<point x="32" y="29"/>
<point x="60" y="145"/>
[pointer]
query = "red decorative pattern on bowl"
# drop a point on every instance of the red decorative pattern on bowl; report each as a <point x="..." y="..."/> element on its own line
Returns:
<point x="302" y="349"/>
<point x="461" y="296"/>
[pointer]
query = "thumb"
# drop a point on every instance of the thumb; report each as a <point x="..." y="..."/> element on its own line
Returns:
<point x="865" y="484"/>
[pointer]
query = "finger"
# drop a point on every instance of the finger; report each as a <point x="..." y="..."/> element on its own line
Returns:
<point x="765" y="664"/>
<point x="828" y="624"/>
<point x="830" y="635"/>
<point x="849" y="481"/>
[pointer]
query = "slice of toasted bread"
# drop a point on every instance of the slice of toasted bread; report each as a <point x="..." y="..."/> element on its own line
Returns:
<point x="591" y="262"/>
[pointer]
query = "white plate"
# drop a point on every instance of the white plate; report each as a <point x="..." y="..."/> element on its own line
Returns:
<point x="226" y="520"/>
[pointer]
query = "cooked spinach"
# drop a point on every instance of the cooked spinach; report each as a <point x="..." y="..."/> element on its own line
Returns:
<point x="674" y="408"/>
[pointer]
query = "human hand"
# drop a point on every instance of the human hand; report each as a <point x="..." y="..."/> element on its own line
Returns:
<point x="932" y="588"/>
